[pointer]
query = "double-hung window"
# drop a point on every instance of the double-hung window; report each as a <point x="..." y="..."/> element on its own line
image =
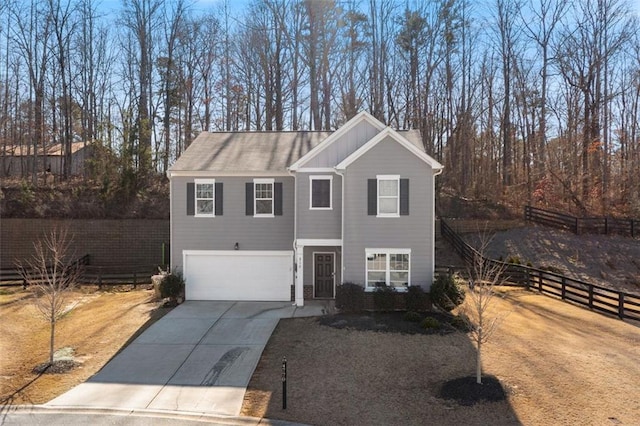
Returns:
<point x="388" y="267"/>
<point x="205" y="197"/>
<point x="263" y="197"/>
<point x="320" y="192"/>
<point x="388" y="195"/>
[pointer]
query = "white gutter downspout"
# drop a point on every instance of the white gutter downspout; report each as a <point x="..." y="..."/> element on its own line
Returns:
<point x="433" y="230"/>
<point x="298" y="257"/>
<point x="341" y="174"/>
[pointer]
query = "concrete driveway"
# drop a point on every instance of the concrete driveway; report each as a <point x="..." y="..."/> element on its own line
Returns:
<point x="198" y="358"/>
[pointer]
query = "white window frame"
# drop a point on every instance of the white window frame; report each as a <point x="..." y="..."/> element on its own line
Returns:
<point x="255" y="198"/>
<point x="387" y="252"/>
<point x="379" y="197"/>
<point x="211" y="182"/>
<point x="325" y="177"/>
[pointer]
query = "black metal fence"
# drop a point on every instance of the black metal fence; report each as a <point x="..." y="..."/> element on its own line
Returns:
<point x="598" y="298"/>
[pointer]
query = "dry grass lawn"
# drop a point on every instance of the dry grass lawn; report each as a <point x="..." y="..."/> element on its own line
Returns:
<point x="561" y="365"/>
<point x="98" y="326"/>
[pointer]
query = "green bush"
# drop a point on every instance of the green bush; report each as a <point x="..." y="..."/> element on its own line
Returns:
<point x="412" y="317"/>
<point x="172" y="286"/>
<point x="350" y="297"/>
<point x="415" y="299"/>
<point x="446" y="293"/>
<point x="384" y="298"/>
<point x="430" y="322"/>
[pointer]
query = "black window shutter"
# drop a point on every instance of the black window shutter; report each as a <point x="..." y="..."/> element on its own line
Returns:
<point x="404" y="197"/>
<point x="249" y="198"/>
<point x="372" y="201"/>
<point x="219" y="198"/>
<point x="277" y="198"/>
<point x="191" y="199"/>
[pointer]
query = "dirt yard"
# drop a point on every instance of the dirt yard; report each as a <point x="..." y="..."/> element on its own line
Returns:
<point x="98" y="325"/>
<point x="607" y="260"/>
<point x="559" y="363"/>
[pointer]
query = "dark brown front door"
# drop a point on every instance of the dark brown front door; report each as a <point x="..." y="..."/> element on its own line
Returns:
<point x="323" y="274"/>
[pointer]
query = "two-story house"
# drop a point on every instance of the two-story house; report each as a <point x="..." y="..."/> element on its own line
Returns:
<point x="274" y="216"/>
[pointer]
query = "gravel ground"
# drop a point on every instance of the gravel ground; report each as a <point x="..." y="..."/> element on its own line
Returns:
<point x="608" y="260"/>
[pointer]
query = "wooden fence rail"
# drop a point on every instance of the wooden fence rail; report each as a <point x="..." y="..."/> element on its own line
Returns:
<point x="15" y="277"/>
<point x="583" y="225"/>
<point x="93" y="275"/>
<point x="597" y="298"/>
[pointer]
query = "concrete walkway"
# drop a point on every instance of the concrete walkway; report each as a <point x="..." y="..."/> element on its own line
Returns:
<point x="198" y="358"/>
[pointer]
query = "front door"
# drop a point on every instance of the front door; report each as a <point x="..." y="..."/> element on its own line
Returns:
<point x="323" y="266"/>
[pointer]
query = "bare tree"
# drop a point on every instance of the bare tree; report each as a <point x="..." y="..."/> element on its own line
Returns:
<point x="484" y="275"/>
<point x="50" y="276"/>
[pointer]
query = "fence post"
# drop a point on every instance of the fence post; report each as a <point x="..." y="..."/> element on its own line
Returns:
<point x="540" y="281"/>
<point x="621" y="305"/>
<point x="590" y="297"/>
<point x="100" y="278"/>
<point x="576" y="226"/>
<point x="134" y="280"/>
<point x="564" y="287"/>
<point x="606" y="226"/>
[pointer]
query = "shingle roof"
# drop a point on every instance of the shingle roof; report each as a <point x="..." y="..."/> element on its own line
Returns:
<point x="255" y="151"/>
<point x="246" y="151"/>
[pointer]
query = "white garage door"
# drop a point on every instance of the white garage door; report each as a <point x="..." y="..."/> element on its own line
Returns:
<point x="238" y="275"/>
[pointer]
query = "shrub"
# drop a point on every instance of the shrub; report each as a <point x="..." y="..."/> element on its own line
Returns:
<point x="461" y="322"/>
<point x="384" y="298"/>
<point x="172" y="286"/>
<point x="429" y="323"/>
<point x="514" y="259"/>
<point x="412" y="317"/>
<point x="349" y="297"/>
<point x="415" y="299"/>
<point x="446" y="293"/>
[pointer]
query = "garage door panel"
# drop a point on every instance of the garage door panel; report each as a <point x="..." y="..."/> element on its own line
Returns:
<point x="234" y="275"/>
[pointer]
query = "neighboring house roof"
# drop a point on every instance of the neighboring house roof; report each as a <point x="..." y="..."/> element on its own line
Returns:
<point x="232" y="152"/>
<point x="27" y="150"/>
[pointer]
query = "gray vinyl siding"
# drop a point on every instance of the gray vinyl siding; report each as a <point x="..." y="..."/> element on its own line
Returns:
<point x="222" y="232"/>
<point x="343" y="147"/>
<point x="414" y="231"/>
<point x="322" y="224"/>
<point x="308" y="270"/>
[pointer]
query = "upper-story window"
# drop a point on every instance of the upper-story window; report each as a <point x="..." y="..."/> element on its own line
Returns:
<point x="388" y="195"/>
<point x="205" y="197"/>
<point x="263" y="197"/>
<point x="320" y="192"/>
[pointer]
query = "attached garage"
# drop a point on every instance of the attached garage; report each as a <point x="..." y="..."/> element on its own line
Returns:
<point x="238" y="275"/>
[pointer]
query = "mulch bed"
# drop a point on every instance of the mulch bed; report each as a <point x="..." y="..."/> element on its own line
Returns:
<point x="466" y="391"/>
<point x="58" y="367"/>
<point x="388" y="322"/>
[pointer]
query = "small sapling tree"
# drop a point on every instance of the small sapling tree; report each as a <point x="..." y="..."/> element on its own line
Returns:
<point x="485" y="275"/>
<point x="50" y="276"/>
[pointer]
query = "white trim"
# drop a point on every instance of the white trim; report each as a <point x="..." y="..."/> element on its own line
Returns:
<point x="316" y="170"/>
<point x="212" y="173"/>
<point x="197" y="182"/>
<point x="302" y="242"/>
<point x="362" y="116"/>
<point x="398" y="138"/>
<point x="321" y="177"/>
<point x="388" y="178"/>
<point x="387" y="252"/>
<point x="236" y="252"/>
<point x="263" y="181"/>
<point x="313" y="269"/>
